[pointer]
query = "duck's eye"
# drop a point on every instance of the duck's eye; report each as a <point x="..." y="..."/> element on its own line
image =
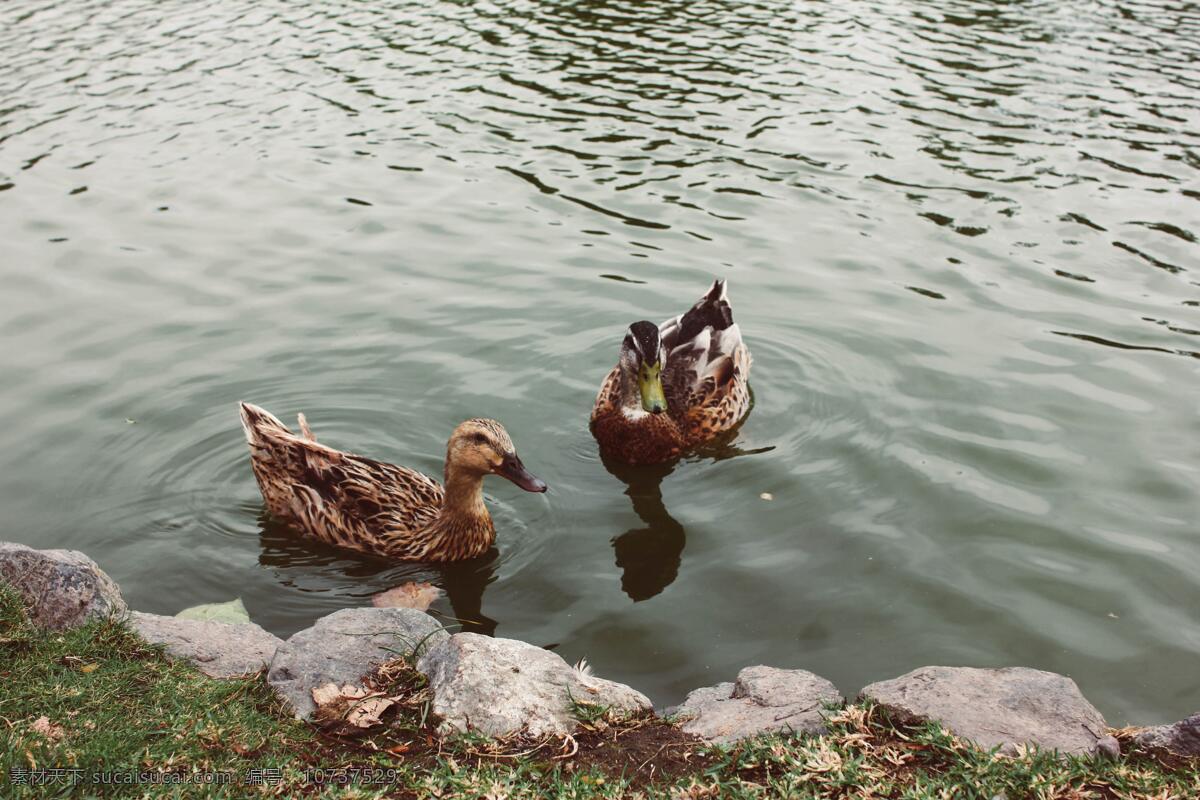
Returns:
<point x="479" y="438"/>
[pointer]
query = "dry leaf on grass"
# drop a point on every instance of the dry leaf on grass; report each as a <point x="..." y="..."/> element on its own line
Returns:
<point x="408" y="595"/>
<point x="358" y="707"/>
<point x="366" y="713"/>
<point x="46" y="728"/>
<point x="330" y="693"/>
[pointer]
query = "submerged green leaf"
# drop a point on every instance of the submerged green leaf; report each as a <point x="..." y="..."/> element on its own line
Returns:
<point x="234" y="611"/>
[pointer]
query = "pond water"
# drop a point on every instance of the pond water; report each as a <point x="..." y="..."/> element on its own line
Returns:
<point x="961" y="244"/>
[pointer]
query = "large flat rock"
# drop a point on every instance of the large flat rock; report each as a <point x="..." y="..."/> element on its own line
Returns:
<point x="343" y="647"/>
<point x="61" y="588"/>
<point x="503" y="686"/>
<point x="998" y="707"/>
<point x="1179" y="739"/>
<point x="761" y="700"/>
<point x="219" y="649"/>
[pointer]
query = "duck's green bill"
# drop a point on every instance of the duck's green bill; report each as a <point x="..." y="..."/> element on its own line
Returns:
<point x="650" y="383"/>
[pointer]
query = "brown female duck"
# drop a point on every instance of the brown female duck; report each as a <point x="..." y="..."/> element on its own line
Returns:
<point x="676" y="385"/>
<point x="358" y="503"/>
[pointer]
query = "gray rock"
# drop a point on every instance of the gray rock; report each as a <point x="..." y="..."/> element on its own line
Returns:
<point x="219" y="649"/>
<point x="762" y="699"/>
<point x="997" y="707"/>
<point x="502" y="686"/>
<point x="1180" y="739"/>
<point x="61" y="588"/>
<point x="343" y="647"/>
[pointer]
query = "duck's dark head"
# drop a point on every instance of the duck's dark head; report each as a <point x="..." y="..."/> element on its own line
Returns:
<point x="642" y="362"/>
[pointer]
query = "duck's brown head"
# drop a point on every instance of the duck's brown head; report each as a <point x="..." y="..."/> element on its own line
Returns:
<point x="482" y="446"/>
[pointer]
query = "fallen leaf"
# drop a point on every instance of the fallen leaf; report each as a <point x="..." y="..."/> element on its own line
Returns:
<point x="329" y="693"/>
<point x="366" y="713"/>
<point x="89" y="668"/>
<point x="232" y="612"/>
<point x="356" y="705"/>
<point x="46" y="728"/>
<point x="408" y="595"/>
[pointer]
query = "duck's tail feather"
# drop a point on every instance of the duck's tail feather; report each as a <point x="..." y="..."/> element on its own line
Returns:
<point x="258" y="421"/>
<point x="717" y="293"/>
<point x="711" y="311"/>
<point x="715" y="306"/>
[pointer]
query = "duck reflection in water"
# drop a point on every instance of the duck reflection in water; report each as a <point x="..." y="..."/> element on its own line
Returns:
<point x="313" y="566"/>
<point x="649" y="557"/>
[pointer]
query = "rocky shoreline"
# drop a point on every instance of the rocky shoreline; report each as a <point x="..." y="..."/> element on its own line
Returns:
<point x="499" y="687"/>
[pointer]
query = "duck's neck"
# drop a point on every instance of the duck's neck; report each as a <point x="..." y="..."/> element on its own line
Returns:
<point x="464" y="525"/>
<point x="464" y="494"/>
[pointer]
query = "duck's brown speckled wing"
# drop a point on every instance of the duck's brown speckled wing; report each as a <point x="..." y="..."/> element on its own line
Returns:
<point x="719" y="400"/>
<point x="356" y="502"/>
<point x="706" y="378"/>
<point x="339" y="498"/>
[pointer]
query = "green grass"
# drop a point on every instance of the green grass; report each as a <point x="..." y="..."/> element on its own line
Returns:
<point x="114" y="704"/>
<point x="588" y="713"/>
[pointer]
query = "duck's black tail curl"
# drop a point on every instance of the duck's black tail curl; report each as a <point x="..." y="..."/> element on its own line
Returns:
<point x="713" y="311"/>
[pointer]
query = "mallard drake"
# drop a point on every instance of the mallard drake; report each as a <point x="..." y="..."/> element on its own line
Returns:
<point x="361" y="504"/>
<point x="676" y="385"/>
